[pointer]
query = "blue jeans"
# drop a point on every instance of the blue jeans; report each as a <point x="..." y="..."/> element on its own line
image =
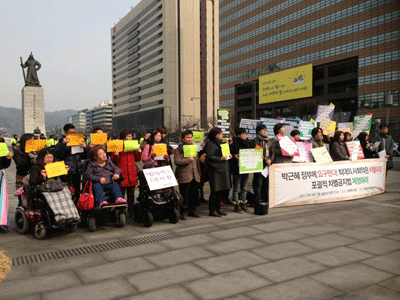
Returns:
<point x="240" y="186"/>
<point x="98" y="191"/>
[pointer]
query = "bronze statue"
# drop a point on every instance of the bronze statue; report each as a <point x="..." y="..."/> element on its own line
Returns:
<point x="31" y="78"/>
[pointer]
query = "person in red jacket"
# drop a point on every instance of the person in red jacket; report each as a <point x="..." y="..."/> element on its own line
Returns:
<point x="126" y="161"/>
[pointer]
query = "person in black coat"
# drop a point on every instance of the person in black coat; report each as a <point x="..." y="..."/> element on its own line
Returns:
<point x="365" y="145"/>
<point x="339" y="150"/>
<point x="23" y="161"/>
<point x="5" y="161"/>
<point x="217" y="171"/>
<point x="74" y="161"/>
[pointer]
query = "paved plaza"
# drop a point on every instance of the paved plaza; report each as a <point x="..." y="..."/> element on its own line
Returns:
<point x="346" y="250"/>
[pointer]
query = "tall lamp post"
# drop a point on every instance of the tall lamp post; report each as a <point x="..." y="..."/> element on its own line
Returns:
<point x="388" y="103"/>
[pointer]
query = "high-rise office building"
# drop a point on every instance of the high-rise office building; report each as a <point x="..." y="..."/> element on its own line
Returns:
<point x="165" y="64"/>
<point x="79" y="121"/>
<point x="353" y="47"/>
<point x="100" y="116"/>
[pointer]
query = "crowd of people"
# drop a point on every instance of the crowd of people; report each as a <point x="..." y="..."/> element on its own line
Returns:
<point x="118" y="171"/>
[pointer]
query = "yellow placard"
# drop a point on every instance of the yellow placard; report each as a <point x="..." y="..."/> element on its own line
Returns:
<point x="75" y="139"/>
<point x="115" y="145"/>
<point x="328" y="126"/>
<point x="321" y="155"/>
<point x="56" y="169"/>
<point x="34" y="145"/>
<point x="160" y="149"/>
<point x="290" y="84"/>
<point x="98" y="138"/>
<point x="131" y="145"/>
<point x="225" y="149"/>
<point x="4" y="149"/>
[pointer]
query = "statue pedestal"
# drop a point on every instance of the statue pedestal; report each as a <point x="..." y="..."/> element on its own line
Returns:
<point x="33" y="109"/>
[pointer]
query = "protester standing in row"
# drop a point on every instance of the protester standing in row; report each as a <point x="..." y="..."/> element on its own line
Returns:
<point x="239" y="142"/>
<point x="126" y="161"/>
<point x="23" y="161"/>
<point x="188" y="176"/>
<point x="365" y="145"/>
<point x="387" y="144"/>
<point x="277" y="157"/>
<point x="317" y="137"/>
<point x="218" y="171"/>
<point x="339" y="150"/>
<point x="148" y="154"/>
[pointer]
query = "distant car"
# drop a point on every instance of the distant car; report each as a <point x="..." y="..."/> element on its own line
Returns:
<point x="396" y="150"/>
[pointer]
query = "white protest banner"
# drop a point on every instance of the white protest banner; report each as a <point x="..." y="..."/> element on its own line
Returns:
<point x="345" y="126"/>
<point x="305" y="129"/>
<point x="325" y="111"/>
<point x="362" y="123"/>
<point x="287" y="145"/>
<point x="298" y="184"/>
<point x="305" y="152"/>
<point x="223" y="121"/>
<point x="160" y="178"/>
<point x="250" y="127"/>
<point x="355" y="150"/>
<point x="375" y="146"/>
<point x="382" y="154"/>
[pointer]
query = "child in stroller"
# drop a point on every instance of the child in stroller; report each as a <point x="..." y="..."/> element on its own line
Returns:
<point x="158" y="204"/>
<point x="48" y="201"/>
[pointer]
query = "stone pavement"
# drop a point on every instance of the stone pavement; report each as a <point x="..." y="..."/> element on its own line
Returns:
<point x="346" y="250"/>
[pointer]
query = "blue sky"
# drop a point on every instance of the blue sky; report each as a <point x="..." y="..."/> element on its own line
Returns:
<point x="70" y="38"/>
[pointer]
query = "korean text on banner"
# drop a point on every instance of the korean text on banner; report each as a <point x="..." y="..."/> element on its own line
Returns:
<point x="160" y="178"/>
<point x="223" y="121"/>
<point x="98" y="138"/>
<point x="321" y="155"/>
<point x="325" y="111"/>
<point x="305" y="152"/>
<point x="131" y="145"/>
<point x="225" y="150"/>
<point x="355" y="150"/>
<point x="250" y="127"/>
<point x="115" y="145"/>
<point x="160" y="149"/>
<point x="288" y="146"/>
<point x="189" y="150"/>
<point x="198" y="136"/>
<point x="34" y="145"/>
<point x="289" y="84"/>
<point x="362" y="123"/>
<point x="306" y="129"/>
<point x="75" y="139"/>
<point x="269" y="123"/>
<point x="4" y="149"/>
<point x="250" y="161"/>
<point x="328" y="126"/>
<point x="56" y="169"/>
<point x="320" y="183"/>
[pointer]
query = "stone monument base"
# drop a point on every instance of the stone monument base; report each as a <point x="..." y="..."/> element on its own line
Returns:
<point x="33" y="109"/>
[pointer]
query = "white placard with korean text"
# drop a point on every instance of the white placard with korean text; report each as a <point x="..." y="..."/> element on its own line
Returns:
<point x="160" y="178"/>
<point x="298" y="184"/>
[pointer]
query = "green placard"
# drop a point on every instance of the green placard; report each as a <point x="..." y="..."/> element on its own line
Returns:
<point x="131" y="145"/>
<point x="189" y="150"/>
<point x="225" y="149"/>
<point x="4" y="149"/>
<point x="250" y="161"/>
<point x="198" y="136"/>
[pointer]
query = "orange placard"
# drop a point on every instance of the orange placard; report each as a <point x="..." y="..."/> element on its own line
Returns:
<point x="98" y="138"/>
<point x="115" y="145"/>
<point x="160" y="149"/>
<point x="258" y="147"/>
<point x="56" y="169"/>
<point x="34" y="145"/>
<point x="75" y="139"/>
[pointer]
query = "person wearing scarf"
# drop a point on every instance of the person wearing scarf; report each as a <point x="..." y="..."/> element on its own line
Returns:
<point x="386" y="144"/>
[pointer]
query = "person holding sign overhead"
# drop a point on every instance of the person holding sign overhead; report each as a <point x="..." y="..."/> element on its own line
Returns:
<point x="23" y="161"/>
<point x="218" y="171"/>
<point x="149" y="153"/>
<point x="126" y="161"/>
<point x="72" y="156"/>
<point x="277" y="157"/>
<point x="339" y="150"/>
<point x="188" y="174"/>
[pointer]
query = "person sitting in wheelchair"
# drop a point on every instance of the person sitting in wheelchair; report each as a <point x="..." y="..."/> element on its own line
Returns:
<point x="102" y="172"/>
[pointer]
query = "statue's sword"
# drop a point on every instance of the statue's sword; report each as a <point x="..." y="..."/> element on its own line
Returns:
<point x="23" y="70"/>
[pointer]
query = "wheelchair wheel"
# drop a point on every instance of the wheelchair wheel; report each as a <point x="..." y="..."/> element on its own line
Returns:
<point x="121" y="221"/>
<point x="40" y="231"/>
<point x="174" y="216"/>
<point x="73" y="228"/>
<point x="21" y="221"/>
<point x="137" y="213"/>
<point x="148" y="219"/>
<point x="92" y="224"/>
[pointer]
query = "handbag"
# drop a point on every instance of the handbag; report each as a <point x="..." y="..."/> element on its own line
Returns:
<point x="86" y="200"/>
<point x="52" y="185"/>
